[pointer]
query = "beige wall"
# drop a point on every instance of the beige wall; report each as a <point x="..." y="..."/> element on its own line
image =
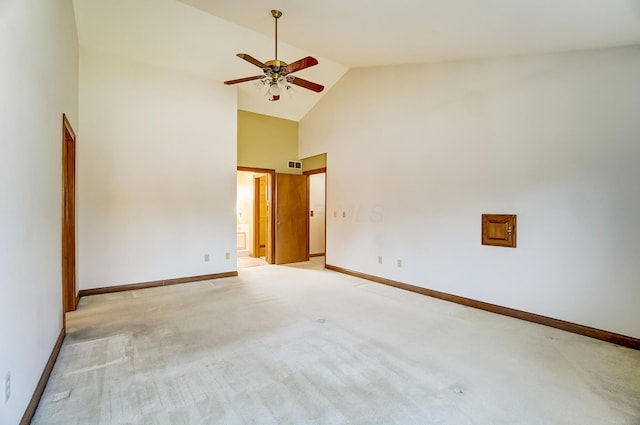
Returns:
<point x="314" y="162"/>
<point x="267" y="142"/>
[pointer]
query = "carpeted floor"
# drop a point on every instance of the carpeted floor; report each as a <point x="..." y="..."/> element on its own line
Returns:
<point x="244" y="262"/>
<point x="302" y="345"/>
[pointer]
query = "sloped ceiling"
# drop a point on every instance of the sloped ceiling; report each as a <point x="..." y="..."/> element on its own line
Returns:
<point x="203" y="36"/>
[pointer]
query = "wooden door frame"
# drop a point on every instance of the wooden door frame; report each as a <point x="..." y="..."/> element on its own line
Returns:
<point x="256" y="216"/>
<point x="309" y="173"/>
<point x="255" y="242"/>
<point x="69" y="288"/>
<point x="272" y="225"/>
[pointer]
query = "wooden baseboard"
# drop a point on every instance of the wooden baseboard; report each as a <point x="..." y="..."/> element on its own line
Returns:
<point x="320" y="254"/>
<point x="626" y="341"/>
<point x="155" y="283"/>
<point x="42" y="383"/>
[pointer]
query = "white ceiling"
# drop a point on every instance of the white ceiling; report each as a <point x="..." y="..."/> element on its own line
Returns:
<point x="203" y="36"/>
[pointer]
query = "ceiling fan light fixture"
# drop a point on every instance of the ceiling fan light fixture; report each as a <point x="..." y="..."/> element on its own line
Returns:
<point x="283" y="83"/>
<point x="275" y="90"/>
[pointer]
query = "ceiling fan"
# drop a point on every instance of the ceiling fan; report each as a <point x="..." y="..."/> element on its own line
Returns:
<point x="276" y="73"/>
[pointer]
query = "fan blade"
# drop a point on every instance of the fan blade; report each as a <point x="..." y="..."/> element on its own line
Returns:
<point x="243" y="80"/>
<point x="302" y="64"/>
<point x="307" y="84"/>
<point x="252" y="60"/>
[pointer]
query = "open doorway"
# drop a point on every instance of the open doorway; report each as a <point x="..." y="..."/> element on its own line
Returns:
<point x="317" y="216"/>
<point x="254" y="217"/>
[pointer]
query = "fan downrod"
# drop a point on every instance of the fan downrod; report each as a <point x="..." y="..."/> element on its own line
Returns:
<point x="276" y="14"/>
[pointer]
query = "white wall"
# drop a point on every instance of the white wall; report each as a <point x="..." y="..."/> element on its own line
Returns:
<point x="38" y="83"/>
<point x="156" y="173"/>
<point x="417" y="153"/>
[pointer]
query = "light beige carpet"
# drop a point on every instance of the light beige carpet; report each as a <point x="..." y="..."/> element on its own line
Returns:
<point x="244" y="262"/>
<point x="303" y="345"/>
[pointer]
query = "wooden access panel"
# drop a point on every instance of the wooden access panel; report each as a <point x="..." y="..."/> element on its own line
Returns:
<point x="499" y="230"/>
<point x="292" y="242"/>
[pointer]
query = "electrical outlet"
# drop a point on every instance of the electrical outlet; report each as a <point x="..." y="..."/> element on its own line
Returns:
<point x="344" y="214"/>
<point x="399" y="263"/>
<point x="227" y="256"/>
<point x="206" y="257"/>
<point x="7" y="387"/>
<point x="379" y="259"/>
<point x="335" y="214"/>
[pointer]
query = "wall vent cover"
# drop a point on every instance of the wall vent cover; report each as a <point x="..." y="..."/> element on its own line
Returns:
<point x="296" y="165"/>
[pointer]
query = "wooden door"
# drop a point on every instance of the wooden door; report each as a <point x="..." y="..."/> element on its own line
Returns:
<point x="69" y="292"/>
<point x="292" y="242"/>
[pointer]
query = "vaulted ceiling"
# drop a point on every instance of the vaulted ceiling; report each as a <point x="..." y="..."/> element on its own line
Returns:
<point x="203" y="36"/>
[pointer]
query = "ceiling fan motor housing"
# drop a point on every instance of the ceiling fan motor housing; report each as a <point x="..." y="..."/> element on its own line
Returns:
<point x="277" y="67"/>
